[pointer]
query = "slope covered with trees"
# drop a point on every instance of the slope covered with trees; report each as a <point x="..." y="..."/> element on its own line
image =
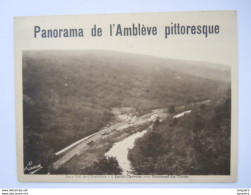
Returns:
<point x="195" y="144"/>
<point x="69" y="94"/>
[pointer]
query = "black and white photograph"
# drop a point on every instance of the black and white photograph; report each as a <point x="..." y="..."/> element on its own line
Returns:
<point x="105" y="112"/>
<point x="146" y="110"/>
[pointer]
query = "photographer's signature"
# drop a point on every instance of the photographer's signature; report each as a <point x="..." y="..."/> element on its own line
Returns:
<point x="31" y="169"/>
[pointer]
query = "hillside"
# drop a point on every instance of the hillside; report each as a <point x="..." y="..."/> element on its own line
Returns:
<point x="69" y="94"/>
<point x="195" y="144"/>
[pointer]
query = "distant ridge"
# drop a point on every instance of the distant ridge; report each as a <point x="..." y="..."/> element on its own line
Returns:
<point x="201" y="69"/>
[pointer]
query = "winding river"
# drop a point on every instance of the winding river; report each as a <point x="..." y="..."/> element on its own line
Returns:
<point x="120" y="151"/>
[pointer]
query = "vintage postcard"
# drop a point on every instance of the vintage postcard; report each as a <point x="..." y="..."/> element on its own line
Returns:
<point x="144" y="97"/>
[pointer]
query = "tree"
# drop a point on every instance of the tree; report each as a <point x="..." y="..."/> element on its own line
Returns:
<point x="104" y="166"/>
<point x="156" y="123"/>
<point x="171" y="109"/>
<point x="202" y="107"/>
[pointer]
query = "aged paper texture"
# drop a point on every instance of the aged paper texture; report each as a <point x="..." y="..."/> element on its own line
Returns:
<point x="145" y="97"/>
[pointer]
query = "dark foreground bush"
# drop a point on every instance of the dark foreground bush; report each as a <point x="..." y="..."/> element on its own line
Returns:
<point x="104" y="166"/>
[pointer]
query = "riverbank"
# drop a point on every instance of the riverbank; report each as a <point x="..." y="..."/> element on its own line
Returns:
<point x="95" y="152"/>
<point x="120" y="151"/>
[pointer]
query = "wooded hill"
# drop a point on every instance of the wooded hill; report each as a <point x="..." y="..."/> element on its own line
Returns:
<point x="69" y="94"/>
<point x="195" y="144"/>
